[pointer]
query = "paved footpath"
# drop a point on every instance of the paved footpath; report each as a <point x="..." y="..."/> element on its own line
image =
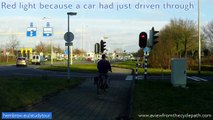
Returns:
<point x="83" y="103"/>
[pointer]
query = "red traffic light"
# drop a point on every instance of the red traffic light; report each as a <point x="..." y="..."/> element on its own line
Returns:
<point x="142" y="36"/>
<point x="142" y="40"/>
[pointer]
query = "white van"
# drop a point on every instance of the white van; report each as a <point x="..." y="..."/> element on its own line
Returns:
<point x="37" y="59"/>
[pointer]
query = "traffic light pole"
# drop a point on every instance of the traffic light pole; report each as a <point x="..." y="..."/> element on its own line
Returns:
<point x="145" y="66"/>
<point x="68" y="63"/>
<point x="136" y="71"/>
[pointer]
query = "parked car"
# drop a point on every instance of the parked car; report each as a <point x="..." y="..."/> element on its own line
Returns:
<point x="37" y="59"/>
<point x="21" y="61"/>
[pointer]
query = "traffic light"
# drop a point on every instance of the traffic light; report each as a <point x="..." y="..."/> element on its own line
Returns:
<point x="102" y="44"/>
<point x="153" y="36"/>
<point x="97" y="48"/>
<point x="142" y="39"/>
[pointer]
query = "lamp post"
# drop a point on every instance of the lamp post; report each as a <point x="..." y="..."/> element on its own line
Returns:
<point x="70" y="14"/>
<point x="199" y="39"/>
<point x="69" y="37"/>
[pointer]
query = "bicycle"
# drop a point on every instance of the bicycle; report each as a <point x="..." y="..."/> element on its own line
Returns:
<point x="101" y="82"/>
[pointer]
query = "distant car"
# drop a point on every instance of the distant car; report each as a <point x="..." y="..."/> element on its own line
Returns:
<point x="37" y="59"/>
<point x="59" y="58"/>
<point x="21" y="61"/>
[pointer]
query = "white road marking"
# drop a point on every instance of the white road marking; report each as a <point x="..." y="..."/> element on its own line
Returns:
<point x="193" y="78"/>
<point x="197" y="78"/>
<point x="129" y="77"/>
<point x="200" y="78"/>
<point x="140" y="77"/>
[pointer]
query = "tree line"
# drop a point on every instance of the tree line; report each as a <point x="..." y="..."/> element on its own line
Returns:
<point x="179" y="39"/>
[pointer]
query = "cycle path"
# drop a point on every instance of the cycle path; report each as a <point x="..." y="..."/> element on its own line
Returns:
<point x="83" y="103"/>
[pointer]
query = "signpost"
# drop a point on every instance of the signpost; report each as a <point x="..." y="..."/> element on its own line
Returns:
<point x="47" y="31"/>
<point x="69" y="37"/>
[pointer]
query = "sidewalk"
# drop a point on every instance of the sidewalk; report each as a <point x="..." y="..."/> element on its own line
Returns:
<point x="83" y="103"/>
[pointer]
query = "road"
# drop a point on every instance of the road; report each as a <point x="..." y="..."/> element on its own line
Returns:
<point x="31" y="70"/>
<point x="168" y="77"/>
<point x="82" y="102"/>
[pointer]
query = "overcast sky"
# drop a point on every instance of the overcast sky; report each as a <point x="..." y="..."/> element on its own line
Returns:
<point x="119" y="20"/>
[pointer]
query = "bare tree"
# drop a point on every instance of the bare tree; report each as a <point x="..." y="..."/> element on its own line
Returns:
<point x="58" y="49"/>
<point x="177" y="38"/>
<point x="41" y="48"/>
<point x="183" y="33"/>
<point x="78" y="52"/>
<point x="208" y="32"/>
<point x="12" y="43"/>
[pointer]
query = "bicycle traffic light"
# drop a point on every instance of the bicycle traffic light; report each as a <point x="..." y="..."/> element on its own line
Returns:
<point x="102" y="46"/>
<point x="142" y="39"/>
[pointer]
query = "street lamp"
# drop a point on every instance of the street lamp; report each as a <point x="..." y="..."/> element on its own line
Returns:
<point x="70" y="14"/>
<point x="199" y="39"/>
<point x="69" y="41"/>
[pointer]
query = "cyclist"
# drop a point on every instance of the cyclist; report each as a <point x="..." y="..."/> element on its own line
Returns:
<point x="103" y="68"/>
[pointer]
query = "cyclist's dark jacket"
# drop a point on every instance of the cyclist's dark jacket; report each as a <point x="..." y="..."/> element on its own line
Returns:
<point x="104" y="66"/>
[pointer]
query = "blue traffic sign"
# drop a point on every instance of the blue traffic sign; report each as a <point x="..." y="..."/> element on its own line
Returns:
<point x="31" y="31"/>
<point x="66" y="52"/>
<point x="146" y="51"/>
<point x="47" y="31"/>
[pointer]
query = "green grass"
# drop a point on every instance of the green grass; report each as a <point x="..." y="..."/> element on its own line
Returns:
<point x="89" y="68"/>
<point x="18" y="92"/>
<point x="158" y="97"/>
<point x="7" y="63"/>
<point x="156" y="71"/>
<point x="73" y="68"/>
<point x="128" y="65"/>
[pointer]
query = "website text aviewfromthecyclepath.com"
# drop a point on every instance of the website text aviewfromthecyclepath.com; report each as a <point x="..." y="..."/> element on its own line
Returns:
<point x="181" y="116"/>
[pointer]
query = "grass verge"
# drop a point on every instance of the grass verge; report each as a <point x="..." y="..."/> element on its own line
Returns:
<point x="19" y="92"/>
<point x="73" y="68"/>
<point x="87" y="68"/>
<point x="159" y="97"/>
<point x="156" y="71"/>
